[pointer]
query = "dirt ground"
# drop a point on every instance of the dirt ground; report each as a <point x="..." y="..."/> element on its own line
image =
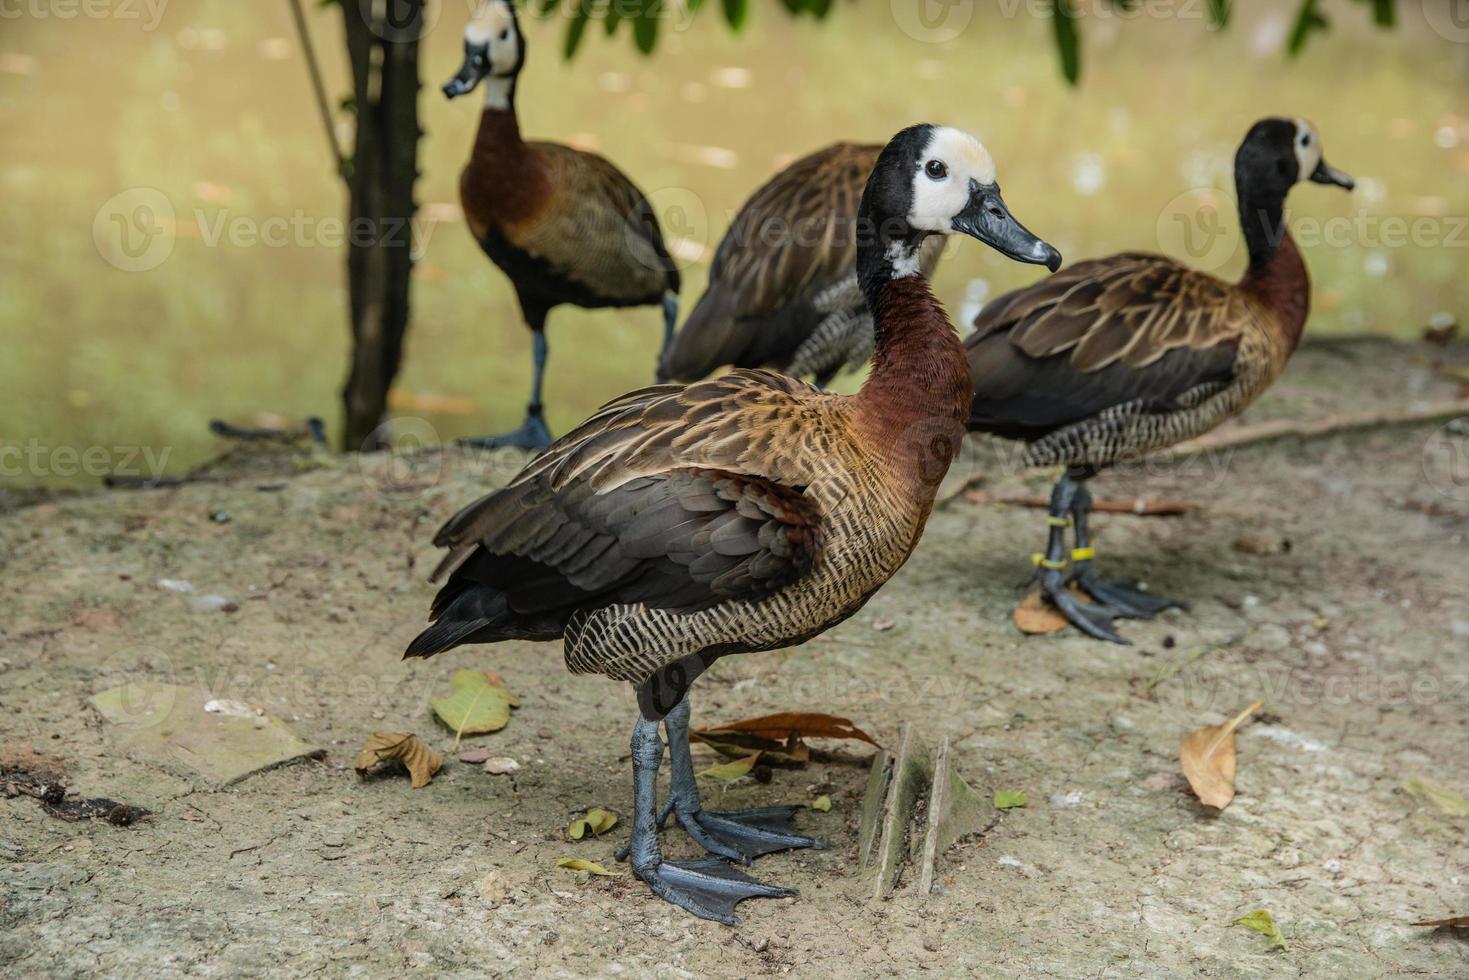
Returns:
<point x="1326" y="576"/>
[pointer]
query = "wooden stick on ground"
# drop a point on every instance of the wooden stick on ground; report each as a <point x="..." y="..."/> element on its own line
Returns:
<point x="1329" y="425"/>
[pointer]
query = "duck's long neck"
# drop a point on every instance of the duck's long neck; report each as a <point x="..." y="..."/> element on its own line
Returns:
<point x="1277" y="274"/>
<point x="917" y="396"/>
<point x="498" y="138"/>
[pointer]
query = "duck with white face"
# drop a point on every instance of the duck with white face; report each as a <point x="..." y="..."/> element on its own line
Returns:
<point x="681" y="524"/>
<point x="1121" y="356"/>
<point x="564" y="225"/>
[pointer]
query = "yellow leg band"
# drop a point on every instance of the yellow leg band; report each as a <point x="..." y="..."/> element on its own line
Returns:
<point x="1058" y="521"/>
<point x="1042" y="561"/>
<point x="1083" y="554"/>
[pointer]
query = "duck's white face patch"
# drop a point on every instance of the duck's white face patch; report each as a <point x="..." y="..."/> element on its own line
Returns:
<point x="494" y="27"/>
<point x="1308" y="149"/>
<point x="948" y="163"/>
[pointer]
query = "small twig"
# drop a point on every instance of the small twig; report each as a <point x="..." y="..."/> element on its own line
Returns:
<point x="1138" y="506"/>
<point x="1314" y="428"/>
<point x="314" y="68"/>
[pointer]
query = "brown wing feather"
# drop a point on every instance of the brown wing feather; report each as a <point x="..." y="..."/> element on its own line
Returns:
<point x="1129" y="329"/>
<point x="596" y="227"/>
<point x="668" y="496"/>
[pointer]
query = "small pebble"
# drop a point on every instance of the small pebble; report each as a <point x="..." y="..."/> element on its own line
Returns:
<point x="175" y="585"/>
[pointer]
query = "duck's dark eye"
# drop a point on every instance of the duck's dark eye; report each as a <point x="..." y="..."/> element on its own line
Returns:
<point x="505" y="34"/>
<point x="1305" y="139"/>
<point x="936" y="170"/>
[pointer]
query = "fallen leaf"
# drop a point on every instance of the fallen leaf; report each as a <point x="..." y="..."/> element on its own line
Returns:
<point x="597" y="821"/>
<point x="480" y="703"/>
<point x="1209" y="761"/>
<point x="821" y="803"/>
<point x="405" y="747"/>
<point x="1008" y="799"/>
<point x="501" y="766"/>
<point x="1456" y="922"/>
<point x="1262" y="922"/>
<point x="1440" y="796"/>
<point x="1258" y="544"/>
<point x="581" y="864"/>
<point x="800" y="724"/>
<point x="1037" y="617"/>
<point x="730" y="771"/>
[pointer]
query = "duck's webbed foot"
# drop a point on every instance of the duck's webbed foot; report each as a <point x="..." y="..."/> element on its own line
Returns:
<point x="708" y="887"/>
<point x="532" y="435"/>
<point x="1094" y="620"/>
<point x="1122" y="595"/>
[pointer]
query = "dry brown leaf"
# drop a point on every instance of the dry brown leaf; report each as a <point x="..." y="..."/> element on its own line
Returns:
<point x="737" y="745"/>
<point x="1454" y="922"/>
<point x="1037" y="617"/>
<point x="1209" y="760"/>
<point x="792" y="724"/>
<point x="421" y="761"/>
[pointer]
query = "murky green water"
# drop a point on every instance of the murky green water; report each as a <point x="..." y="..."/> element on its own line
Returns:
<point x="204" y="120"/>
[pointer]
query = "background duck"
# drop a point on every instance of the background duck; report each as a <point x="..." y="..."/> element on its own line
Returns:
<point x="565" y="225"/>
<point x="1120" y="356"/>
<point x="752" y="512"/>
<point x="783" y="290"/>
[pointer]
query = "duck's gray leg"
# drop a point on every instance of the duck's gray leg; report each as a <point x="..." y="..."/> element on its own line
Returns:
<point x="1123" y="595"/>
<point x="709" y="887"/>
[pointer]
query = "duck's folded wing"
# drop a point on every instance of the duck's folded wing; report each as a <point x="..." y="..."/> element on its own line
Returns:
<point x="617" y="512"/>
<point x="1129" y="328"/>
<point x="793" y="238"/>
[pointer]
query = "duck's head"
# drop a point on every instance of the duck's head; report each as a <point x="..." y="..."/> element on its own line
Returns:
<point x="494" y="52"/>
<point x="1280" y="152"/>
<point x="937" y="180"/>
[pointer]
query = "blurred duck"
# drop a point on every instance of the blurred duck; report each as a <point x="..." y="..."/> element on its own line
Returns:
<point x="783" y="290"/>
<point x="752" y="512"/>
<point x="1120" y="356"/>
<point x="565" y="225"/>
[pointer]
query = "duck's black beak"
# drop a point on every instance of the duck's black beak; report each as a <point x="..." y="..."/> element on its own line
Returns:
<point x="476" y="66"/>
<point x="987" y="218"/>
<point x="1327" y="174"/>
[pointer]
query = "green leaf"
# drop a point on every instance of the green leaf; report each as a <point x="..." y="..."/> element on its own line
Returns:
<point x="821" y="803"/>
<point x="1068" y="41"/>
<point x="1308" y="21"/>
<point x="596" y="822"/>
<point x="476" y="705"/>
<point x="1219" y="13"/>
<point x="581" y="864"/>
<point x="730" y="771"/>
<point x="1441" y="797"/>
<point x="1008" y="799"/>
<point x="577" y="27"/>
<point x="735" y="12"/>
<point x="1262" y="922"/>
<point x="1385" y="13"/>
<point x="645" y="28"/>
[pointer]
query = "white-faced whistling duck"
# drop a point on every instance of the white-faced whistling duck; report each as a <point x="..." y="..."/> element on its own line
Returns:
<point x="1120" y="356"/>
<point x="751" y="512"/>
<point x="783" y="290"/>
<point x="566" y="226"/>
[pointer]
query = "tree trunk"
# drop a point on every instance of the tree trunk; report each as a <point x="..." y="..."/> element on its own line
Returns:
<point x="382" y="45"/>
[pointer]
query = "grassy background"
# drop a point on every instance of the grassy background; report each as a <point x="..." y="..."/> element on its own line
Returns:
<point x="211" y="108"/>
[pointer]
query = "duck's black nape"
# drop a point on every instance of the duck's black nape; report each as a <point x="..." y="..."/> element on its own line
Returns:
<point x="1265" y="169"/>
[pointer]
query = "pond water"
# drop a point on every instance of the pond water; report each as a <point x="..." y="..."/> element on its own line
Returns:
<point x="200" y="111"/>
